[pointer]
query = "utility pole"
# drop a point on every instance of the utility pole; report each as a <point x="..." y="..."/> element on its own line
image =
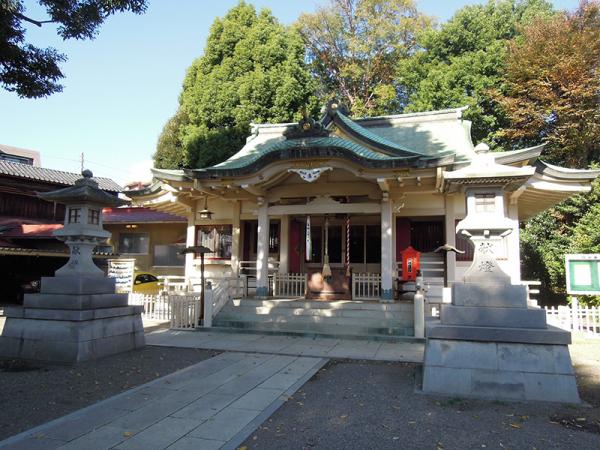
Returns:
<point x="82" y="160"/>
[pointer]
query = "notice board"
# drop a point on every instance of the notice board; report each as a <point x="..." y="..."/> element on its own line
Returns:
<point x="122" y="271"/>
<point x="583" y="274"/>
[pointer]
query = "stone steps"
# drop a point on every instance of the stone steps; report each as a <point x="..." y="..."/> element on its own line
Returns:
<point x="335" y="319"/>
<point x="338" y="304"/>
<point x="322" y="313"/>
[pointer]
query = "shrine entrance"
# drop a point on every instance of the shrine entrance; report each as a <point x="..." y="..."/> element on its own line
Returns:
<point x="330" y="248"/>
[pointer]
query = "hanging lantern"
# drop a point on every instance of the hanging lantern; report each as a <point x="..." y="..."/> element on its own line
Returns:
<point x="326" y="268"/>
<point x="308" y="240"/>
<point x="205" y="213"/>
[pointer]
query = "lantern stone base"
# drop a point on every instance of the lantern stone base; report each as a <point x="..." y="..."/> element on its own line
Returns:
<point x="499" y="370"/>
<point x="73" y="319"/>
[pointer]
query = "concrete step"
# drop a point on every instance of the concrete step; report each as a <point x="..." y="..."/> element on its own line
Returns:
<point x="287" y="311"/>
<point x="339" y="304"/>
<point x="383" y="323"/>
<point x="307" y="329"/>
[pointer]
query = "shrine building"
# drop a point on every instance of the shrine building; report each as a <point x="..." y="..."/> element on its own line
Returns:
<point x="325" y="209"/>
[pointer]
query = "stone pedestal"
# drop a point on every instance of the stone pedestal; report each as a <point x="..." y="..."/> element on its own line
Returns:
<point x="72" y="319"/>
<point x="489" y="344"/>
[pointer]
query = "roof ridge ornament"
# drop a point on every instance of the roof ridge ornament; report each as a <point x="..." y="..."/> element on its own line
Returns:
<point x="306" y="127"/>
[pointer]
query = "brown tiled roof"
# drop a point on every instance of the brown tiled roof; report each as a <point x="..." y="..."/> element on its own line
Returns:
<point x="138" y="215"/>
<point x="52" y="176"/>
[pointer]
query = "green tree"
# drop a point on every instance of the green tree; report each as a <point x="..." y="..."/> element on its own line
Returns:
<point x="460" y="62"/>
<point x="552" y="87"/>
<point x="252" y="70"/>
<point x="34" y="72"/>
<point x="352" y="47"/>
<point x="569" y="227"/>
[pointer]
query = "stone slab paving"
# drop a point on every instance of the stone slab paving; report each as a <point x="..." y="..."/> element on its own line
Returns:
<point x="214" y="404"/>
<point x="321" y="347"/>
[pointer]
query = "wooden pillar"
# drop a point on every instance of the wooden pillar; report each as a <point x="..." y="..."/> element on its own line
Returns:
<point x="235" y="239"/>
<point x="387" y="277"/>
<point x="450" y="238"/>
<point x="513" y="246"/>
<point x="190" y="241"/>
<point x="284" y="244"/>
<point x="262" y="251"/>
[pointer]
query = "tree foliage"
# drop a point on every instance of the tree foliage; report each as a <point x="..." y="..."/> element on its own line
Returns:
<point x="553" y="94"/>
<point x="553" y="86"/>
<point x="569" y="227"/>
<point x="34" y="72"/>
<point x="352" y="47"/>
<point x="252" y="70"/>
<point x="460" y="62"/>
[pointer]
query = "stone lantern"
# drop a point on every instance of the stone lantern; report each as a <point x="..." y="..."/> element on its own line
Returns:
<point x="82" y="230"/>
<point x="490" y="342"/>
<point x="77" y="316"/>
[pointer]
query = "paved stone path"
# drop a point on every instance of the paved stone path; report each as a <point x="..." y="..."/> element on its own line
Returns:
<point x="214" y="404"/>
<point x="290" y="345"/>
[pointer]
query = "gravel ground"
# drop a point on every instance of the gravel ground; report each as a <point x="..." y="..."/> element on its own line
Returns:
<point x="36" y="393"/>
<point x="366" y="405"/>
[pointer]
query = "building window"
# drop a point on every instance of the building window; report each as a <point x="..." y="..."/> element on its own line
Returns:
<point x="93" y="216"/>
<point x="357" y="244"/>
<point x="169" y="255"/>
<point x="485" y="202"/>
<point x="316" y="244"/>
<point x="217" y="238"/>
<point x="274" y="237"/>
<point x="365" y="244"/>
<point x="373" y="244"/>
<point x="74" y="215"/>
<point x="134" y="243"/>
<point x="334" y="244"/>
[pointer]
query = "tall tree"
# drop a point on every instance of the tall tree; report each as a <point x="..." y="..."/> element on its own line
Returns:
<point x="352" y="47"/>
<point x="460" y="62"/>
<point x="553" y="95"/>
<point x="34" y="72"/>
<point x="553" y="86"/>
<point x="252" y="70"/>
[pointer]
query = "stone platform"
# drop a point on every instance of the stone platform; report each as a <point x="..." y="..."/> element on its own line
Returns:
<point x="489" y="344"/>
<point x="488" y="365"/>
<point x="73" y="319"/>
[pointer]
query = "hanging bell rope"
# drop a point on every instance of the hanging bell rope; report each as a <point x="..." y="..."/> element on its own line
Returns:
<point x="326" y="269"/>
<point x="348" y="245"/>
<point x="308" y="239"/>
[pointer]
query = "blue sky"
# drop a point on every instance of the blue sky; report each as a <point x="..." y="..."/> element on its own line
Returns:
<point x="122" y="87"/>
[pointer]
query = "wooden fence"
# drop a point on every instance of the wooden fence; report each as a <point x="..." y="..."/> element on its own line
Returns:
<point x="575" y="318"/>
<point x="155" y="307"/>
<point x="289" y="284"/>
<point x="186" y="311"/>
<point x="366" y="286"/>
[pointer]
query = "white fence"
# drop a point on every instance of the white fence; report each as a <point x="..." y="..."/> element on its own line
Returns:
<point x="575" y="318"/>
<point x="366" y="286"/>
<point x="156" y="307"/>
<point x="183" y="308"/>
<point x="289" y="284"/>
<point x="186" y="311"/>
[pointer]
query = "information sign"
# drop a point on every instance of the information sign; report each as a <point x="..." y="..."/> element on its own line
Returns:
<point x="583" y="274"/>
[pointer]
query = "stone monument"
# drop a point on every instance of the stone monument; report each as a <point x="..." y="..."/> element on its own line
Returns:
<point x="489" y="343"/>
<point x="77" y="316"/>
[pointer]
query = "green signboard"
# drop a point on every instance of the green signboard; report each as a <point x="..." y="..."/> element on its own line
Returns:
<point x="583" y="274"/>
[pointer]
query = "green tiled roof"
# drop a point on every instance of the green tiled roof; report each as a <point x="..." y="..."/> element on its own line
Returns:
<point x="375" y="139"/>
<point x="307" y="144"/>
